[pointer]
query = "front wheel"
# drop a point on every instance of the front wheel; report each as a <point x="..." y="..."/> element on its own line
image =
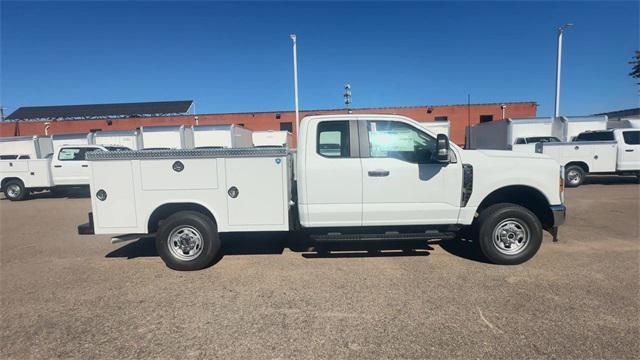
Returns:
<point x="509" y="234"/>
<point x="14" y="190"/>
<point x="188" y="240"/>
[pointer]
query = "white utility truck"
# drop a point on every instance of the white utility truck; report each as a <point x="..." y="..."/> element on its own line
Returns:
<point x="65" y="168"/>
<point x="504" y="134"/>
<point x="521" y="134"/>
<point x="165" y="137"/>
<point x="220" y="136"/>
<point x="25" y="147"/>
<point x="596" y="152"/>
<point x="271" y="138"/>
<point x="126" y="139"/>
<point x="358" y="177"/>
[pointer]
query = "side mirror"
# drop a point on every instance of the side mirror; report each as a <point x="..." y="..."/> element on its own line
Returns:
<point x="442" y="148"/>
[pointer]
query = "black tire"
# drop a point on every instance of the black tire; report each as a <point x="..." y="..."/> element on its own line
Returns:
<point x="574" y="176"/>
<point x="188" y="223"/>
<point x="14" y="190"/>
<point x="513" y="220"/>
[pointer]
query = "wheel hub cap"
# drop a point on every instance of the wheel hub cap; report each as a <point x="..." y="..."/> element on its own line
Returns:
<point x="13" y="190"/>
<point x="511" y="236"/>
<point x="185" y="242"/>
<point x="573" y="176"/>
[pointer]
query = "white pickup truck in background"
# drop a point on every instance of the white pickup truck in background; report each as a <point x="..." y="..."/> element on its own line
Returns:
<point x="357" y="177"/>
<point x="62" y="169"/>
<point x="614" y="151"/>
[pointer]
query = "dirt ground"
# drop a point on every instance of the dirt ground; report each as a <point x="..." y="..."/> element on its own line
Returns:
<point x="65" y="295"/>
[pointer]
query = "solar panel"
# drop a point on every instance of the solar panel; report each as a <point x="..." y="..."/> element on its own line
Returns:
<point x="100" y="110"/>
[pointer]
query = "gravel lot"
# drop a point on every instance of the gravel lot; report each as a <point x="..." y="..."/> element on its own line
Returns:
<point x="65" y="295"/>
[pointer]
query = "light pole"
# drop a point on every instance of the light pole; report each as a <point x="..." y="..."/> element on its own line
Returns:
<point x="561" y="30"/>
<point x="295" y="79"/>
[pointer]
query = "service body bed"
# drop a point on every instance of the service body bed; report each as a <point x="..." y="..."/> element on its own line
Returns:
<point x="137" y="183"/>
<point x="600" y="156"/>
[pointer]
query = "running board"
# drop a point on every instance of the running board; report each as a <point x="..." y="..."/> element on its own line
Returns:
<point x="427" y="235"/>
<point x="126" y="237"/>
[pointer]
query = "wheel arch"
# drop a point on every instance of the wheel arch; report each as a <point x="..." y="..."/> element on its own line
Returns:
<point x="526" y="196"/>
<point x="165" y="210"/>
<point x="581" y="164"/>
<point x="7" y="179"/>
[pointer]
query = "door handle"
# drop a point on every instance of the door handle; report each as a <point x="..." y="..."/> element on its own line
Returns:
<point x="629" y="150"/>
<point x="85" y="165"/>
<point x="57" y="166"/>
<point x="378" y="173"/>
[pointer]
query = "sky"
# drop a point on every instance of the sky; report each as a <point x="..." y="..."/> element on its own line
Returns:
<point x="237" y="57"/>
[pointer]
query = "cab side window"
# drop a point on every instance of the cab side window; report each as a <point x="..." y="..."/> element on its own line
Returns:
<point x="333" y="139"/>
<point x="393" y="139"/>
<point x="70" y="154"/>
<point x="75" y="154"/>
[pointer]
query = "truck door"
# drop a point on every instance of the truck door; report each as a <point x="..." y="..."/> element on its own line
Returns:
<point x="628" y="150"/>
<point x="401" y="184"/>
<point x="333" y="175"/>
<point x="70" y="167"/>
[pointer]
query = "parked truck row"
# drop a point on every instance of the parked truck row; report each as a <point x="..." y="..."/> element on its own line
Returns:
<point x="352" y="177"/>
<point x="583" y="145"/>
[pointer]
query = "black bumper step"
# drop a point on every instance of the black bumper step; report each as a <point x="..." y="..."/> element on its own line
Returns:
<point x="427" y="235"/>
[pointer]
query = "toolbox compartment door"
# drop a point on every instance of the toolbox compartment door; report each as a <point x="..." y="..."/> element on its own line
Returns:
<point x="119" y="207"/>
<point x="260" y="184"/>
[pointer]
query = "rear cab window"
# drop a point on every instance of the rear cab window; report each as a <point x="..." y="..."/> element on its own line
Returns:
<point x="333" y="139"/>
<point x="595" y="136"/>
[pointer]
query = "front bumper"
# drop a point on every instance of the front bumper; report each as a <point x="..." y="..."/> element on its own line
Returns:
<point x="559" y="214"/>
<point x="87" y="228"/>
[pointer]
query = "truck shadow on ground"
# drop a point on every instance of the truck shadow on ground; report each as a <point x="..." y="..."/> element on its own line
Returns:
<point x="74" y="193"/>
<point x="609" y="180"/>
<point x="275" y="244"/>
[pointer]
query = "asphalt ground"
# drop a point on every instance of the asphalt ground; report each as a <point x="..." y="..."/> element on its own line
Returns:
<point x="70" y="296"/>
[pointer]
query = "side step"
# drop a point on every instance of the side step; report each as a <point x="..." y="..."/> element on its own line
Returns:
<point x="126" y="237"/>
<point x="427" y="235"/>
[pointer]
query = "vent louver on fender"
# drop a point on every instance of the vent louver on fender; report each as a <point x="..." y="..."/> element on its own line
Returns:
<point x="467" y="184"/>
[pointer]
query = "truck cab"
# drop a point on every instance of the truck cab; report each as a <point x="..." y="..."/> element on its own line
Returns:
<point x="69" y="165"/>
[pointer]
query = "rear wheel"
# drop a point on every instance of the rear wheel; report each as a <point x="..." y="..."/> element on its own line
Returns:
<point x="188" y="240"/>
<point x="509" y="234"/>
<point x="574" y="176"/>
<point x="14" y="190"/>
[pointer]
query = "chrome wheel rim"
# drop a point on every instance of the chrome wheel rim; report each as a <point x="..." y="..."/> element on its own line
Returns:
<point x="511" y="236"/>
<point x="13" y="191"/>
<point x="573" y="176"/>
<point x="185" y="242"/>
